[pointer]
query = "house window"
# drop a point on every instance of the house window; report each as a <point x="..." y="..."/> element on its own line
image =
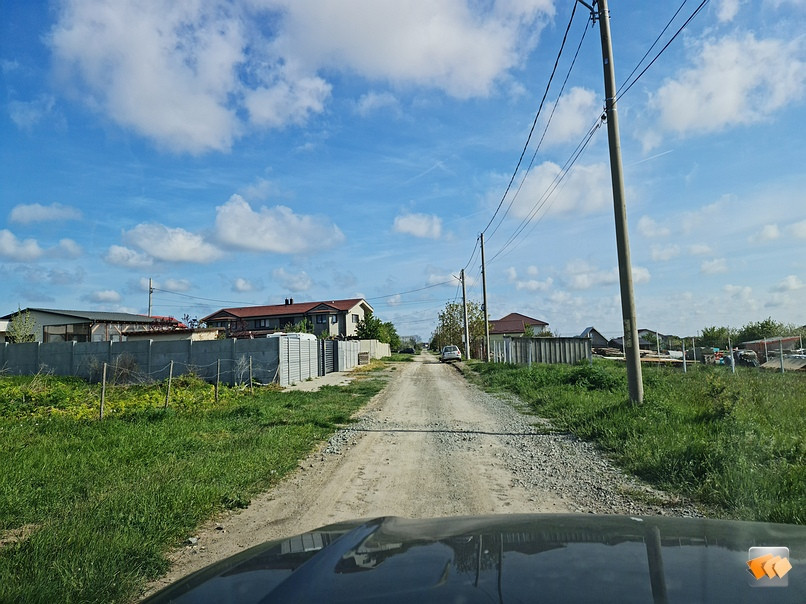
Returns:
<point x="355" y="318"/>
<point x="260" y="323"/>
<point x="334" y="319"/>
<point x="321" y="319"/>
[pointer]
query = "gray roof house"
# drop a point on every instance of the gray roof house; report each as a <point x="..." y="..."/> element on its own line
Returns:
<point x="596" y="338"/>
<point x="52" y="325"/>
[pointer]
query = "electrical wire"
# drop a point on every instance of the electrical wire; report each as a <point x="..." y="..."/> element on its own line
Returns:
<point x="534" y="122"/>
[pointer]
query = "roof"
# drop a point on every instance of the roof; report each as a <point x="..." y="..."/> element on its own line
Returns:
<point x="514" y="323"/>
<point x="96" y="316"/>
<point x="284" y="310"/>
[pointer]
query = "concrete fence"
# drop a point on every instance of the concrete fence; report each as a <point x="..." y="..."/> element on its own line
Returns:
<point x="525" y="351"/>
<point x="285" y="359"/>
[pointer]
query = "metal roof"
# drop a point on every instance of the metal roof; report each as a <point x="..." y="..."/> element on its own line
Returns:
<point x="92" y="315"/>
<point x="283" y="310"/>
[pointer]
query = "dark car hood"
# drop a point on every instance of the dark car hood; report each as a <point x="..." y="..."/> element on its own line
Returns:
<point x="514" y="558"/>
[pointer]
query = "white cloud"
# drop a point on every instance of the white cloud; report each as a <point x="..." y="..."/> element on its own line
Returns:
<point x="728" y="9"/>
<point x="789" y="284"/>
<point x="769" y="232"/>
<point x="195" y="76"/>
<point x="299" y="282"/>
<point x="582" y="275"/>
<point x="511" y="274"/>
<point x="640" y="274"/>
<point x="376" y="101"/>
<point x="277" y="229"/>
<point x="67" y="248"/>
<point x="123" y="256"/>
<point x="533" y="285"/>
<point x="650" y="229"/>
<point x="394" y="300"/>
<point x="573" y="116"/>
<point x="798" y="229"/>
<point x="105" y="296"/>
<point x="735" y="80"/>
<point x="714" y="267"/>
<point x="426" y="226"/>
<point x="242" y="285"/>
<point x="699" y="249"/>
<point x="177" y="285"/>
<point x="666" y="252"/>
<point x="27" y="114"/>
<point x="14" y="249"/>
<point x="585" y="190"/>
<point x="171" y="244"/>
<point x="532" y="270"/>
<point x="35" y="212"/>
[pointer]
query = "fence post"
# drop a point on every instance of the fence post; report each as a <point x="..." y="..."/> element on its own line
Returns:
<point x="217" y="377"/>
<point x="683" y="346"/>
<point x="781" y="352"/>
<point x="170" y="377"/>
<point x="103" y="392"/>
<point x="251" y="384"/>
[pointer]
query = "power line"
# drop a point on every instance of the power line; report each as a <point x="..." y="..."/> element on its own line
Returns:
<point x="534" y="122"/>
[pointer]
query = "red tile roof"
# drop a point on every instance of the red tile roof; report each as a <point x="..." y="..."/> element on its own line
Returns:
<point x="283" y="310"/>
<point x="514" y="323"/>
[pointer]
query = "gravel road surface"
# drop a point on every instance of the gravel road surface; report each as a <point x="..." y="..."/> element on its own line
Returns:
<point x="430" y="444"/>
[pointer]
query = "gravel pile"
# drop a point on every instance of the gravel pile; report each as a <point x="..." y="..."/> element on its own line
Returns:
<point x="537" y="455"/>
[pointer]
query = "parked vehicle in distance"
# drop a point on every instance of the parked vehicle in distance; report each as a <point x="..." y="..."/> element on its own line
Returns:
<point x="450" y="353"/>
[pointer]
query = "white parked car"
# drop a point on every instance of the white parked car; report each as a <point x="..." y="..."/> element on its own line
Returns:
<point x="450" y="353"/>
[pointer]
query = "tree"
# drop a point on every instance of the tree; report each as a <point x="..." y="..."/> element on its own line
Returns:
<point x="716" y="337"/>
<point x="450" y="327"/>
<point x="304" y="326"/>
<point x="369" y="328"/>
<point x="21" y="327"/>
<point x="768" y="328"/>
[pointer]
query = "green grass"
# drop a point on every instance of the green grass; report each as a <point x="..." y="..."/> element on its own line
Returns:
<point x="105" y="500"/>
<point x="733" y="442"/>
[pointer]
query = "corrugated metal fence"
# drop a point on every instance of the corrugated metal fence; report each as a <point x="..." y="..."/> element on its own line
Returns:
<point x="525" y="351"/>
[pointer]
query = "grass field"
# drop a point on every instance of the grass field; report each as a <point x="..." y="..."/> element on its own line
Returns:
<point x="733" y="442"/>
<point x="88" y="508"/>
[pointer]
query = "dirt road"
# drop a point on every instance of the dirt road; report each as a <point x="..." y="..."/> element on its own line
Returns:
<point x="429" y="445"/>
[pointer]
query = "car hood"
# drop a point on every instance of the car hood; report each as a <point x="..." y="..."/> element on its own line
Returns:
<point x="514" y="558"/>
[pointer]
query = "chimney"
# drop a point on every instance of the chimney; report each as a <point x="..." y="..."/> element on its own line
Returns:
<point x="286" y="301"/>
<point x="291" y="300"/>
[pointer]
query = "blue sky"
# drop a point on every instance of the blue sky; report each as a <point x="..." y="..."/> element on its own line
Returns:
<point x="241" y="153"/>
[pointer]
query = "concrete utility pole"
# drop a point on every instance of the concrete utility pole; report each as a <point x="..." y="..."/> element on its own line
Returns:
<point x="150" y="293"/>
<point x="631" y="345"/>
<point x="484" y="309"/>
<point x="464" y="311"/>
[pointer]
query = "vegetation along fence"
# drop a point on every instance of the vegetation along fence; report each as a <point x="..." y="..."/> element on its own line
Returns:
<point x="525" y="351"/>
<point x="284" y="360"/>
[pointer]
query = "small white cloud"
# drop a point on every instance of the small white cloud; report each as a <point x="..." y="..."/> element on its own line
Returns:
<point x="394" y="300"/>
<point x="67" y="248"/>
<point x="728" y="9"/>
<point x="277" y="229"/>
<point x="171" y="244"/>
<point x="511" y="274"/>
<point x="14" y="249"/>
<point x="572" y="117"/>
<point x="426" y="226"/>
<point x="177" y="285"/>
<point x="533" y="285"/>
<point x="650" y="229"/>
<point x="242" y="285"/>
<point x="789" y="284"/>
<point x="532" y="270"/>
<point x="798" y="229"/>
<point x="640" y="275"/>
<point x="128" y="258"/>
<point x="35" y="212"/>
<point x="699" y="249"/>
<point x="106" y="296"/>
<point x="582" y="275"/>
<point x="769" y="232"/>
<point x="584" y="190"/>
<point x="298" y="282"/>
<point x="714" y="267"/>
<point x="376" y="101"/>
<point x="664" y="253"/>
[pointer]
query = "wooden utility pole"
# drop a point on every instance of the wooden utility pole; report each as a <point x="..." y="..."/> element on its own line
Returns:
<point x="632" y="352"/>
<point x="484" y="309"/>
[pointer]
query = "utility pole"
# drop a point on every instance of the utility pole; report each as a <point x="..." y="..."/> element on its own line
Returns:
<point x="484" y="309"/>
<point x="150" y="293"/>
<point x="631" y="346"/>
<point x="464" y="311"/>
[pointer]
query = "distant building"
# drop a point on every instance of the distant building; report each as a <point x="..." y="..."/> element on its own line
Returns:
<point x="334" y="318"/>
<point x="52" y="325"/>
<point x="596" y="338"/>
<point x="514" y="325"/>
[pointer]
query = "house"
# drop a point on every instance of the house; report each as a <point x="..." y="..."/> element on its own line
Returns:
<point x="648" y="339"/>
<point x="333" y="318"/>
<point x="596" y="338"/>
<point x="90" y="326"/>
<point x="515" y="325"/>
<point x="198" y="334"/>
<point x="3" y="330"/>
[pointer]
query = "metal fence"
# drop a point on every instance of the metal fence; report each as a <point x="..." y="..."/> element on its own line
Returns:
<point x="525" y="351"/>
<point x="285" y="359"/>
